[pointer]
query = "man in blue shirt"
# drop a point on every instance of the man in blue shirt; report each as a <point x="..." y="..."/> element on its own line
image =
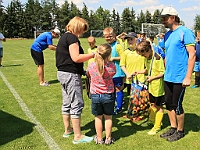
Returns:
<point x="42" y="42"/>
<point x="180" y="59"/>
<point x="197" y="62"/>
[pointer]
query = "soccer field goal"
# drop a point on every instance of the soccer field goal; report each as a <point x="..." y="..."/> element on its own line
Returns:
<point x="153" y="29"/>
<point x="96" y="33"/>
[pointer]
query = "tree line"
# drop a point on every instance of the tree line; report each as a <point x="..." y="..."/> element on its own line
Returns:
<point x="21" y="20"/>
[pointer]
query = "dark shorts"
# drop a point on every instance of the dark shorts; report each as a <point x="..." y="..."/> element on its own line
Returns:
<point x="118" y="81"/>
<point x="103" y="104"/>
<point x="1" y="52"/>
<point x="157" y="100"/>
<point x="37" y="57"/>
<point x="174" y="93"/>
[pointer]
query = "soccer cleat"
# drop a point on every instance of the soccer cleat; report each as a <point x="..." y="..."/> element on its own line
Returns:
<point x="168" y="133"/>
<point x="176" y="136"/>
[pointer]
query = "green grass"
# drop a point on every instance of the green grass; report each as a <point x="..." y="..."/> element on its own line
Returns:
<point x="18" y="132"/>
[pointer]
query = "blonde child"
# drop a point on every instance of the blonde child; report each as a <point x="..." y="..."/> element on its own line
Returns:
<point x="93" y="47"/>
<point x="118" y="78"/>
<point x="132" y="62"/>
<point x="156" y="83"/>
<point x="101" y="72"/>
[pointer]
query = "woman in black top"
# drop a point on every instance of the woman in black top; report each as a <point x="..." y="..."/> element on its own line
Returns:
<point x="69" y="62"/>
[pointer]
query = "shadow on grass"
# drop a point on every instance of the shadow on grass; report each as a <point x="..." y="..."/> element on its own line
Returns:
<point x="12" y="127"/>
<point x="123" y="127"/>
<point x="53" y="81"/>
<point x="192" y="122"/>
<point x="15" y="65"/>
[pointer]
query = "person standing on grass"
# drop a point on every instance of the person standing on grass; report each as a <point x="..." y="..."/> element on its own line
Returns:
<point x="93" y="47"/>
<point x="130" y="63"/>
<point x="69" y="62"/>
<point x="42" y="42"/>
<point x="197" y="62"/>
<point x="118" y="78"/>
<point x="2" y="38"/>
<point x="180" y="59"/>
<point x="156" y="83"/>
<point x="101" y="72"/>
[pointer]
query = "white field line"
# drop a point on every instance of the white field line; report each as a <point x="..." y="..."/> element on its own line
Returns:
<point x="46" y="136"/>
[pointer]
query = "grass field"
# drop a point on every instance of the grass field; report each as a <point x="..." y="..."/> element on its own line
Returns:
<point x="30" y="115"/>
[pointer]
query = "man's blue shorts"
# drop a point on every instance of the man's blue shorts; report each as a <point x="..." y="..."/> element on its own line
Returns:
<point x="103" y="104"/>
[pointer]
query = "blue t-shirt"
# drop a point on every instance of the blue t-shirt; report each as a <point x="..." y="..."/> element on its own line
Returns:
<point x="119" y="71"/>
<point x="42" y="42"/>
<point x="161" y="42"/>
<point x="176" y="53"/>
<point x="159" y="50"/>
<point x="197" y="48"/>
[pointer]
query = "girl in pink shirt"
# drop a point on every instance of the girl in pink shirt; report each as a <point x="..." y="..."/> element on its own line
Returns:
<point x="101" y="72"/>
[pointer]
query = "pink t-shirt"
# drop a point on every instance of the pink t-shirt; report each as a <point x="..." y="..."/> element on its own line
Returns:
<point x="101" y="84"/>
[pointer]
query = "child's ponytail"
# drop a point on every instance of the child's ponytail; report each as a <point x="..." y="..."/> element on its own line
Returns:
<point x="102" y="55"/>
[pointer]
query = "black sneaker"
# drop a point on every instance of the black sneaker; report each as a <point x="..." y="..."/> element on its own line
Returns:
<point x="168" y="133"/>
<point x="176" y="136"/>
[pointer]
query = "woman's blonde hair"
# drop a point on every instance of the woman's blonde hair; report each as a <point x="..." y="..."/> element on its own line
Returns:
<point x="103" y="54"/>
<point x="77" y="26"/>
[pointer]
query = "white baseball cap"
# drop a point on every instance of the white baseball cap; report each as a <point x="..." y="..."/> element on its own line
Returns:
<point x="169" y="11"/>
<point x="56" y="31"/>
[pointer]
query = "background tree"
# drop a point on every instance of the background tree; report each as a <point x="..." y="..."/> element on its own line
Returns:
<point x="134" y="27"/>
<point x="22" y="19"/>
<point x="141" y="19"/>
<point x="85" y="15"/>
<point x="64" y="16"/>
<point x="197" y="23"/>
<point x="74" y="11"/>
<point x="14" y="24"/>
<point x="148" y="17"/>
<point x="3" y="15"/>
<point x="156" y="19"/>
<point x="126" y="20"/>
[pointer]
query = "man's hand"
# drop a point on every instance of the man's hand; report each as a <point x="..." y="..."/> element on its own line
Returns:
<point x="186" y="82"/>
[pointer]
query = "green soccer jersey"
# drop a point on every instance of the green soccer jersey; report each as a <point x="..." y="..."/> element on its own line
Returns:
<point x="156" y="87"/>
<point x="91" y="50"/>
<point x="132" y="61"/>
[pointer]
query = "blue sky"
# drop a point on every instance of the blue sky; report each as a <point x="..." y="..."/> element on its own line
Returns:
<point x="187" y="9"/>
